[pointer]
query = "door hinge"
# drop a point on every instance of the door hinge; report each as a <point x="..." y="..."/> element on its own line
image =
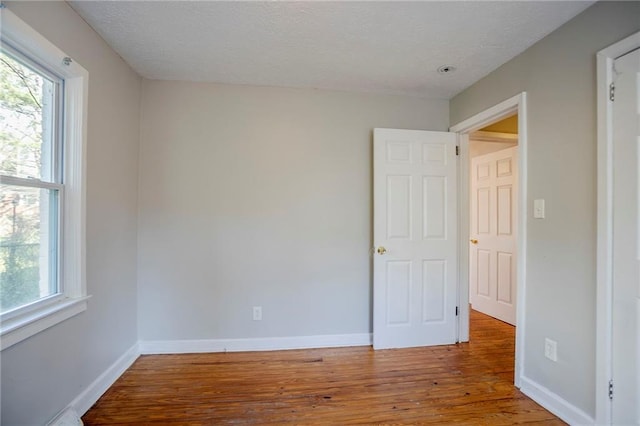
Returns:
<point x="611" y="389"/>
<point x="456" y="311"/>
<point x="457" y="150"/>
<point x="612" y="92"/>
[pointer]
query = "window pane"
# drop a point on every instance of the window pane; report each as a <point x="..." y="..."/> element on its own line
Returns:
<point x="28" y="248"/>
<point x="27" y="107"/>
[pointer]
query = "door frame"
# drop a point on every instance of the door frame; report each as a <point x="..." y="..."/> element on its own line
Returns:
<point x="604" y="252"/>
<point x="516" y="104"/>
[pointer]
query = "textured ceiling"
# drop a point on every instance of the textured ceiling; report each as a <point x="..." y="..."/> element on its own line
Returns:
<point x="382" y="47"/>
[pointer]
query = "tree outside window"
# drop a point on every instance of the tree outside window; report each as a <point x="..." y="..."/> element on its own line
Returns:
<point x="28" y="210"/>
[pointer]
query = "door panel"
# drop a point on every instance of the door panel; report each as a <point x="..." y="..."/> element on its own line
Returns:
<point x="504" y="167"/>
<point x="415" y="220"/>
<point x="626" y="241"/>
<point x="399" y="207"/>
<point x="492" y="269"/>
<point x="483" y="218"/>
<point x="434" y="211"/>
<point x="505" y="277"/>
<point x="434" y="280"/>
<point x="505" y="212"/>
<point x="483" y="268"/>
<point x="398" y="292"/>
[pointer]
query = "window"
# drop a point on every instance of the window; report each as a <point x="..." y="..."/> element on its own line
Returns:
<point x="31" y="184"/>
<point x="42" y="132"/>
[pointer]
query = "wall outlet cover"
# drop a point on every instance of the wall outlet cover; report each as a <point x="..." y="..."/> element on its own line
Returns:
<point x="551" y="349"/>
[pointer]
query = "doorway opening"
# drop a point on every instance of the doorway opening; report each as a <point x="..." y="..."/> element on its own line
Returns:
<point x="507" y="112"/>
<point x="493" y="173"/>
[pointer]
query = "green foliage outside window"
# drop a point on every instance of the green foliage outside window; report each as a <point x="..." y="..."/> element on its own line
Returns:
<point x="21" y="135"/>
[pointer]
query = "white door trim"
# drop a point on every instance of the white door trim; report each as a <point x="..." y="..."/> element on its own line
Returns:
<point x="604" y="283"/>
<point x="516" y="104"/>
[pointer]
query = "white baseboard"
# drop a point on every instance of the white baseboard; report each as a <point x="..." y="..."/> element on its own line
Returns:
<point x="68" y="417"/>
<point x="257" y="344"/>
<point x="554" y="403"/>
<point x="94" y="391"/>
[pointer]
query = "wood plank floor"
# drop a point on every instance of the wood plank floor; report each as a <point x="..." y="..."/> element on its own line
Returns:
<point x="468" y="383"/>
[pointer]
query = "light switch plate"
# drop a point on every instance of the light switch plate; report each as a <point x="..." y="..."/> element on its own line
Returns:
<point x="538" y="209"/>
<point x="257" y="313"/>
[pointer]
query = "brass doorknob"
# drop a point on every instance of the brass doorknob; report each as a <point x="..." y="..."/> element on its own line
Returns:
<point x="474" y="241"/>
<point x="382" y="250"/>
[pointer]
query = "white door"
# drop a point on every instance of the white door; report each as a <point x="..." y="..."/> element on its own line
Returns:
<point x="415" y="236"/>
<point x="626" y="241"/>
<point x="492" y="245"/>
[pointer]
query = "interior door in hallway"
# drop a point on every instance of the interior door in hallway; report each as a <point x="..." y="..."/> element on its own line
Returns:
<point x="415" y="233"/>
<point x="626" y="241"/>
<point x="492" y="245"/>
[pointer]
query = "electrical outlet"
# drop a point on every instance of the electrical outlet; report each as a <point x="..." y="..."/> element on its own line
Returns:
<point x="257" y="313"/>
<point x="551" y="349"/>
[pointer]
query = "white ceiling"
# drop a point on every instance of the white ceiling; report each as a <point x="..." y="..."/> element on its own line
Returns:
<point x="382" y="47"/>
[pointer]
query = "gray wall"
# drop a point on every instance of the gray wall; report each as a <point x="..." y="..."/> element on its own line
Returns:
<point x="42" y="374"/>
<point x="559" y="75"/>
<point x="259" y="196"/>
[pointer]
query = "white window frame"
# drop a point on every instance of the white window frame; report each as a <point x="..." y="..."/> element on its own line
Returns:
<point x="24" y="322"/>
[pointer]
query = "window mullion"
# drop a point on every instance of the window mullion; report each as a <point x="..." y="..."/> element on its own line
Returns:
<point x="29" y="182"/>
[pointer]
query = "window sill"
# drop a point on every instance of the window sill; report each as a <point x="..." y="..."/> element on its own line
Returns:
<point x="17" y="329"/>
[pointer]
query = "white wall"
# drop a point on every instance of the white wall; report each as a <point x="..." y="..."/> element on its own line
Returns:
<point x="558" y="73"/>
<point x="259" y="196"/>
<point x="44" y="373"/>
<point x="477" y="148"/>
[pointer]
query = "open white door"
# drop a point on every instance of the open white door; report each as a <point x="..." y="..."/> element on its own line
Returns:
<point x="492" y="249"/>
<point x="626" y="241"/>
<point x="415" y="236"/>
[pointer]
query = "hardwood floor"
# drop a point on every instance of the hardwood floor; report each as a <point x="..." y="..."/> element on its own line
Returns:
<point x="470" y="383"/>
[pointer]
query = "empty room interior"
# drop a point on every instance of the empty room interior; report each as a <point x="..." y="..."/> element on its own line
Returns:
<point x="319" y="212"/>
